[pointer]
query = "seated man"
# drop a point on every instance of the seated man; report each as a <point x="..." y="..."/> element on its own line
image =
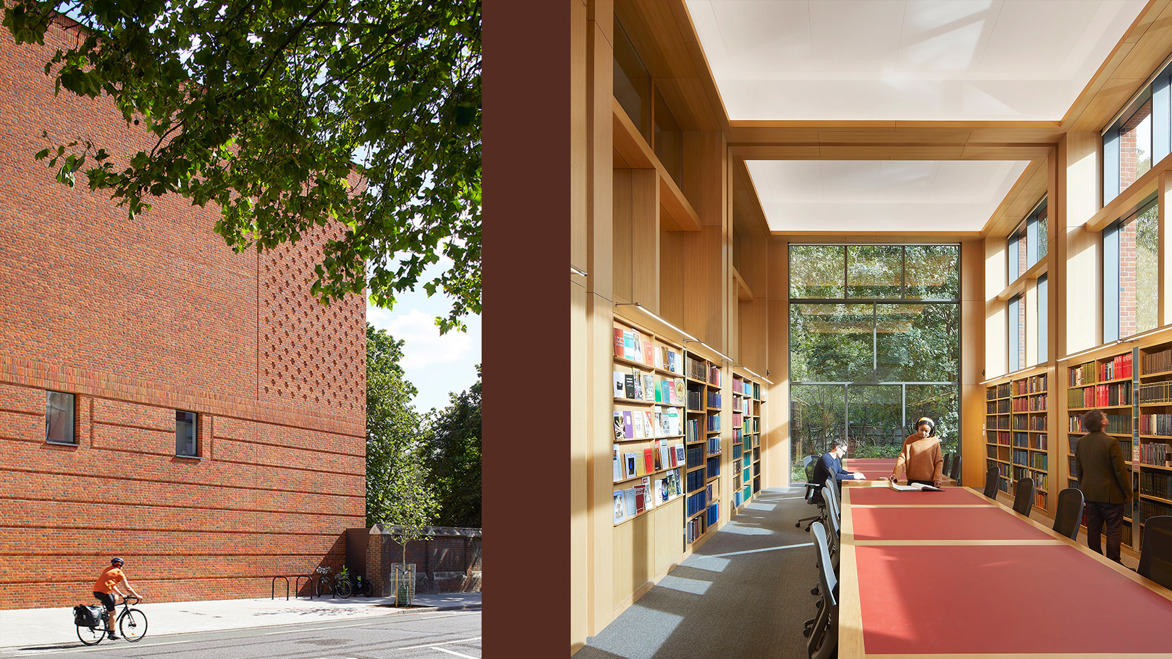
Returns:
<point x="830" y="466"/>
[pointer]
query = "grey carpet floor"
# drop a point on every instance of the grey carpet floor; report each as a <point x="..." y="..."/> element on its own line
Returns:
<point x="744" y="593"/>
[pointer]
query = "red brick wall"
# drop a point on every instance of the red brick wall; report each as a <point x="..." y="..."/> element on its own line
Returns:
<point x="138" y="319"/>
<point x="1127" y="283"/>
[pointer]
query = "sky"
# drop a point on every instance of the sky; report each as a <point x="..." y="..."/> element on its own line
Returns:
<point x="436" y="365"/>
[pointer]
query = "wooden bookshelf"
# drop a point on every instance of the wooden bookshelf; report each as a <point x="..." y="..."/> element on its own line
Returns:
<point x="650" y="415"/>
<point x="1030" y="436"/>
<point x="1106" y="383"/>
<point x="746" y="446"/>
<point x="998" y="453"/>
<point x="1152" y="455"/>
<point x="703" y="447"/>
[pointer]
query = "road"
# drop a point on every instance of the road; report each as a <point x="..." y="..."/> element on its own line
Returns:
<point x="442" y="634"/>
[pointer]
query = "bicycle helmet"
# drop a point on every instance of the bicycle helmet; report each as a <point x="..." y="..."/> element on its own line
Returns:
<point x="117" y="561"/>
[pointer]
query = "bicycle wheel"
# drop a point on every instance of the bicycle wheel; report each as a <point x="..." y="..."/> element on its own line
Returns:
<point x="343" y="588"/>
<point x="90" y="635"/>
<point x="323" y="583"/>
<point x="133" y="625"/>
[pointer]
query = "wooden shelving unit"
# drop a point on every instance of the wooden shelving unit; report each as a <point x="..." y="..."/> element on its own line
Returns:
<point x="746" y="446"/>
<point x="649" y="422"/>
<point x="1029" y="403"/>
<point x="998" y="452"/>
<point x="1106" y="384"/>
<point x="1152" y="457"/>
<point x="702" y="444"/>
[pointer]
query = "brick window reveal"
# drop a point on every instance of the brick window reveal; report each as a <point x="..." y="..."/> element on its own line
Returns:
<point x="59" y="417"/>
<point x="1130" y="274"/>
<point x="186" y="432"/>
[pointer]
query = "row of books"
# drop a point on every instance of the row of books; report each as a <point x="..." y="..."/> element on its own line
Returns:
<point x="1116" y="424"/>
<point x="1030" y="404"/>
<point x="713" y="467"/>
<point x="1004" y="406"/>
<point x="713" y="445"/>
<point x="1155" y="424"/>
<point x="1156" y="453"/>
<point x="997" y="391"/>
<point x="713" y="423"/>
<point x="1116" y="368"/>
<point x="696" y="503"/>
<point x="698" y="369"/>
<point x="738" y="418"/>
<point x="1036" y="422"/>
<point x="632" y="345"/>
<point x="1030" y="385"/>
<point x="648" y="424"/>
<point x="638" y="386"/>
<point x="1157" y="362"/>
<point x="1100" y="395"/>
<point x="999" y="438"/>
<point x="746" y="387"/>
<point x="1156" y="484"/>
<point x="714" y="399"/>
<point x="695" y="458"/>
<point x="696" y="480"/>
<point x="1155" y="392"/>
<point x="646" y="495"/>
<point x="695" y="528"/>
<point x="996" y="422"/>
<point x="1149" y="508"/>
<point x="633" y="464"/>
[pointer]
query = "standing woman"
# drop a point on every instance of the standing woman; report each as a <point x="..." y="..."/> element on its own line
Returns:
<point x="921" y="460"/>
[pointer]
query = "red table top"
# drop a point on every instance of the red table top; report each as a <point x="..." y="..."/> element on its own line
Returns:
<point x="872" y="468"/>
<point x="1003" y="599"/>
<point x="885" y="496"/>
<point x="941" y="523"/>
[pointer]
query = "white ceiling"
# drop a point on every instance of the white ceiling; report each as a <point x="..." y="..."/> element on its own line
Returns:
<point x="899" y="60"/>
<point x="919" y="196"/>
<point x="925" y="60"/>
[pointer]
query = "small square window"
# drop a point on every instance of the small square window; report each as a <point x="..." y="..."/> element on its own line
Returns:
<point x="59" y="418"/>
<point x="186" y="433"/>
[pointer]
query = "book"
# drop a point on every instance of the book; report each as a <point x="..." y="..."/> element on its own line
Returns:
<point x="629" y="466"/>
<point x="628" y="425"/>
<point x="640" y="498"/>
<point x="648" y="348"/>
<point x="649" y="423"/>
<point x="620" y="390"/>
<point x="629" y="502"/>
<point x="648" y="387"/>
<point x="679" y="455"/>
<point x="628" y="385"/>
<point x="912" y="487"/>
<point x="640" y="431"/>
<point x="618" y="467"/>
<point x="618" y="342"/>
<point x="620" y="507"/>
<point x="648" y="460"/>
<point x="618" y="425"/>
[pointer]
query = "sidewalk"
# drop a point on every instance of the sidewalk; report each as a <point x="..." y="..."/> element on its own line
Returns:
<point x="38" y="628"/>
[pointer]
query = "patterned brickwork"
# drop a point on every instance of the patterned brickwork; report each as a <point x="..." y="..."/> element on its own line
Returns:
<point x="138" y="319"/>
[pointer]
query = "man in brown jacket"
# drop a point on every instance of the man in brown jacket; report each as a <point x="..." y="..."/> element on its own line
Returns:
<point x="1105" y="482"/>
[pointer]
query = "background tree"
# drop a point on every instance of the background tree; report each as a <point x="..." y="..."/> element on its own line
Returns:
<point x="290" y="115"/>
<point x="397" y="487"/>
<point x="453" y="457"/>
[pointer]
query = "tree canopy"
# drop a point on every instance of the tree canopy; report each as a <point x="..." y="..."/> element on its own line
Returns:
<point x="453" y="453"/>
<point x="290" y="115"/>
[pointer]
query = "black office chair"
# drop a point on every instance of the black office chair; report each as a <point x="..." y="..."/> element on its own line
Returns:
<point x="1155" y="554"/>
<point x="947" y="464"/>
<point x="954" y="474"/>
<point x="811" y="488"/>
<point x="1023" y="497"/>
<point x="991" y="478"/>
<point x="1068" y="513"/>
<point x="833" y="520"/>
<point x="823" y="640"/>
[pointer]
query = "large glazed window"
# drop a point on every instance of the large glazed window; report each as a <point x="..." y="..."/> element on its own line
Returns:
<point x="632" y="82"/>
<point x="1139" y="137"/>
<point x="874" y="344"/>
<point x="1131" y="249"/>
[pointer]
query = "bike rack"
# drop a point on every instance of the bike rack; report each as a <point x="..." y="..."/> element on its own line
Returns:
<point x="273" y="591"/>
<point x="308" y="581"/>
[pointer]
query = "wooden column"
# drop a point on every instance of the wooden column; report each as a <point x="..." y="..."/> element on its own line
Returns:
<point x="973" y="306"/>
<point x="776" y="444"/>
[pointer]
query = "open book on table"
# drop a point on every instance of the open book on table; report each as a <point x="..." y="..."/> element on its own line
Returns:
<point x="912" y="487"/>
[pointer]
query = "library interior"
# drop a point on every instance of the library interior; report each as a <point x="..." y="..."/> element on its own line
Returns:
<point x="799" y="222"/>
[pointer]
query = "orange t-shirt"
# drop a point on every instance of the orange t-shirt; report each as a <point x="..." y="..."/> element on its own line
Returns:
<point x="109" y="578"/>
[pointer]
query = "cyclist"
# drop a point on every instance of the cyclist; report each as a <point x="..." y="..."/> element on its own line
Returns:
<point x="106" y="585"/>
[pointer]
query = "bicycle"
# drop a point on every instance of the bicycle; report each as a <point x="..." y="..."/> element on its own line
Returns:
<point x="339" y="586"/>
<point x="132" y="623"/>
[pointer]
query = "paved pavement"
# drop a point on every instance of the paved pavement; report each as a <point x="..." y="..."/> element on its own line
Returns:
<point x="31" y="628"/>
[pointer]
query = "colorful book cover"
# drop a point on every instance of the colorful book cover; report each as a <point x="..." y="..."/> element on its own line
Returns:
<point x="649" y="423"/>
<point x="619" y="342"/>
<point x="680" y="454"/>
<point x="638" y="386"/>
<point x="665" y="391"/>
<point x="628" y="345"/>
<point x="648" y="460"/>
<point x="660" y="490"/>
<point x="628" y="425"/>
<point x="620" y="507"/>
<point x="648" y="387"/>
<point x="636" y="347"/>
<point x="640" y="498"/>
<point x="628" y="385"/>
<point x="648" y="490"/>
<point x="629" y="462"/>
<point x="648" y="350"/>
<point x="618" y="425"/>
<point x="681" y="391"/>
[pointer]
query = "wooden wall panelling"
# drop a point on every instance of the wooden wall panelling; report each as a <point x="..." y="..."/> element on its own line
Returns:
<point x="705" y="185"/>
<point x="775" y="441"/>
<point x="645" y="204"/>
<point x="599" y="310"/>
<point x="672" y="266"/>
<point x="623" y="219"/>
<point x="580" y="559"/>
<point x="972" y="357"/>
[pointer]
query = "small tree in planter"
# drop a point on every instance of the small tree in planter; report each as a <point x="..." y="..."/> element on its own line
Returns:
<point x="413" y="506"/>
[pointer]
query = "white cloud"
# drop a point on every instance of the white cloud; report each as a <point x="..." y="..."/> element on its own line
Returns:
<point x="424" y="346"/>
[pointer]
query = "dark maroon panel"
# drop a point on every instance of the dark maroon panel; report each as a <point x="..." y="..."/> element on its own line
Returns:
<point x="1002" y="600"/>
<point x="940" y="523"/>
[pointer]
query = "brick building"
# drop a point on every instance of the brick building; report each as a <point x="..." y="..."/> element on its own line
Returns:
<point x="161" y="397"/>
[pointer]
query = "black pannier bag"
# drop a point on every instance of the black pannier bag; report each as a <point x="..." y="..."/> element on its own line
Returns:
<point x="83" y="616"/>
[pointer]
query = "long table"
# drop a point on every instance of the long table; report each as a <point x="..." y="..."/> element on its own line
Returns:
<point x="956" y="574"/>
